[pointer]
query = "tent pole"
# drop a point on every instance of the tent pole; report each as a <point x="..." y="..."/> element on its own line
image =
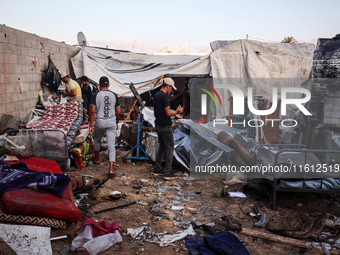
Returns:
<point x="141" y="86"/>
<point x="130" y="111"/>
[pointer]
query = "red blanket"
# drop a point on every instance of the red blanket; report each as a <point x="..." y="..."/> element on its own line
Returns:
<point x="27" y="201"/>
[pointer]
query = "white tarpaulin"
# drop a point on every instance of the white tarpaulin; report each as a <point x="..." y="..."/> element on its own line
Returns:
<point x="251" y="63"/>
<point x="122" y="68"/>
<point x="259" y="65"/>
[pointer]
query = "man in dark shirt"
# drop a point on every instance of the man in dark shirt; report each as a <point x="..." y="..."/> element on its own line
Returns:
<point x="164" y="130"/>
<point x="87" y="90"/>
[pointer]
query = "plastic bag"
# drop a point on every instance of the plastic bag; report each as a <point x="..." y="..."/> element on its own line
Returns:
<point x="95" y="245"/>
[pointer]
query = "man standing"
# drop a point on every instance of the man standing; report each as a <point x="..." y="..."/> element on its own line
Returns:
<point x="164" y="128"/>
<point x="73" y="90"/>
<point x="105" y="110"/>
<point x="87" y="90"/>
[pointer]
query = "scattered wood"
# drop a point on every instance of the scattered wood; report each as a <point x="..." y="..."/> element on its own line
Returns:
<point x="158" y="78"/>
<point x="114" y="208"/>
<point x="280" y="239"/>
<point x="273" y="237"/>
<point x="5" y="249"/>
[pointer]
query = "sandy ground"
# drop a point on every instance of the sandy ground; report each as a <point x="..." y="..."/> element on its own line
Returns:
<point x="137" y="184"/>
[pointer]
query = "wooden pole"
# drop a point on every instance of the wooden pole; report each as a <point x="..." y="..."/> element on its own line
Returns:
<point x="6" y="249"/>
<point x="130" y="111"/>
<point x="277" y="238"/>
<point x="141" y="86"/>
<point x="177" y="95"/>
<point x="272" y="237"/>
<point x="183" y="104"/>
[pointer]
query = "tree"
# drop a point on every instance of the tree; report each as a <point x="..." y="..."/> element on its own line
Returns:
<point x="289" y="39"/>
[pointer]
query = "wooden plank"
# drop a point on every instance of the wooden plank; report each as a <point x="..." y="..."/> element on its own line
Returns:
<point x="280" y="239"/>
<point x="130" y="111"/>
<point x="160" y="77"/>
<point x="177" y="95"/>
<point x="5" y="249"/>
<point x="272" y="237"/>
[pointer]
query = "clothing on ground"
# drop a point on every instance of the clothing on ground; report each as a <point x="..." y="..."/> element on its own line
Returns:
<point x="19" y="175"/>
<point x="223" y="243"/>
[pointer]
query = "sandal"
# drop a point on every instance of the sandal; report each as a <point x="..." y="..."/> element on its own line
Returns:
<point x="96" y="162"/>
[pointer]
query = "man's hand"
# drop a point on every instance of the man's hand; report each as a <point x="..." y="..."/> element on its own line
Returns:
<point x="91" y="130"/>
<point x="179" y="109"/>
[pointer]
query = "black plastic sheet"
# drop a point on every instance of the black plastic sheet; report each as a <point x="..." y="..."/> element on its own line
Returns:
<point x="51" y="78"/>
<point x="182" y="146"/>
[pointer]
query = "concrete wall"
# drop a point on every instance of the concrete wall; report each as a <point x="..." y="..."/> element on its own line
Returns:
<point x="19" y="77"/>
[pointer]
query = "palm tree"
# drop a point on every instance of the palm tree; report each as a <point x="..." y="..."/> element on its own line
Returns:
<point x="289" y="39"/>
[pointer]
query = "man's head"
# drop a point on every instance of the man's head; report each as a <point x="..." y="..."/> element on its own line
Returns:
<point x="168" y="85"/>
<point x="84" y="80"/>
<point x="104" y="82"/>
<point x="65" y="77"/>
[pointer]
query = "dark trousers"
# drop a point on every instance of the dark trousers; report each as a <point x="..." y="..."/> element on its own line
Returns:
<point x="166" y="147"/>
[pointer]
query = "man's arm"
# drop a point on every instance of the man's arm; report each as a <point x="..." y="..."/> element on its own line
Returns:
<point x="92" y="114"/>
<point x="169" y="112"/>
<point x="72" y="93"/>
<point x="118" y="113"/>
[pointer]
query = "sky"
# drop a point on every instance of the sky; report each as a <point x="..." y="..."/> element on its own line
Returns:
<point x="147" y="26"/>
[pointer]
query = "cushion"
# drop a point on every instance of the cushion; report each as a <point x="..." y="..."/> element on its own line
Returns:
<point x="26" y="201"/>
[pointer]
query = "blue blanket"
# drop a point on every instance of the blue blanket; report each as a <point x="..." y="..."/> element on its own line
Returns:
<point x="19" y="175"/>
<point x="221" y="243"/>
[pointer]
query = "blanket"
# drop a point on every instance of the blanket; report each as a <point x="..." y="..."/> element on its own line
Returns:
<point x="19" y="175"/>
<point x="60" y="116"/>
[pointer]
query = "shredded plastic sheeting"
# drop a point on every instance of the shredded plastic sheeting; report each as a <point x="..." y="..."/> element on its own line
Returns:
<point x="163" y="239"/>
<point x="95" y="245"/>
<point x="182" y="146"/>
<point x="206" y="149"/>
<point x="27" y="240"/>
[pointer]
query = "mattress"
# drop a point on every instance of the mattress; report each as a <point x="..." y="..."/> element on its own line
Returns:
<point x="26" y="201"/>
<point x="66" y="117"/>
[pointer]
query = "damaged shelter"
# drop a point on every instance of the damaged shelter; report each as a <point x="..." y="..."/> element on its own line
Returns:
<point x="244" y="62"/>
<point x="57" y="186"/>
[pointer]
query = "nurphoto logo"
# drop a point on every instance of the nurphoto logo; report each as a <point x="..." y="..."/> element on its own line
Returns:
<point x="238" y="104"/>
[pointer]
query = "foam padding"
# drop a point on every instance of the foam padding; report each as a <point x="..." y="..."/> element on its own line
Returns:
<point x="30" y="202"/>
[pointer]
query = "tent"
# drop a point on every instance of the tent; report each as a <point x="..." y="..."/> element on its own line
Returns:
<point x="245" y="63"/>
<point x="259" y="65"/>
<point x="122" y="68"/>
